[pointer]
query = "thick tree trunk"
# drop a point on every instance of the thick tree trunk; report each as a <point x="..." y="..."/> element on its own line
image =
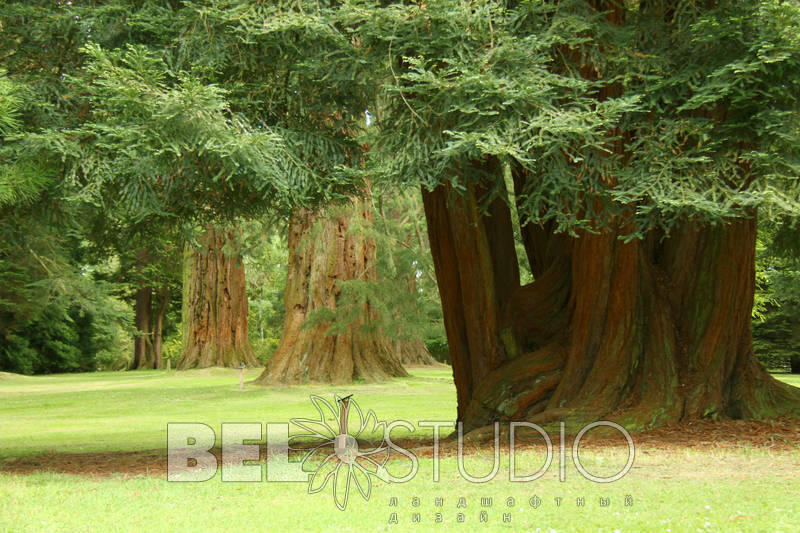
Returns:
<point x="643" y="333"/>
<point x="324" y="250"/>
<point x="794" y="364"/>
<point x="216" y="308"/>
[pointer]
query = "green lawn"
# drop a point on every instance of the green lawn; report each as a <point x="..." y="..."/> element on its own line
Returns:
<point x="120" y="411"/>
<point x="791" y="379"/>
<point x="678" y="489"/>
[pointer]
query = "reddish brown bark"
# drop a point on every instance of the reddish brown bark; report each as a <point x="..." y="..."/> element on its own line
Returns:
<point x="411" y="351"/>
<point x="216" y="307"/>
<point x="644" y="333"/>
<point x="324" y="250"/>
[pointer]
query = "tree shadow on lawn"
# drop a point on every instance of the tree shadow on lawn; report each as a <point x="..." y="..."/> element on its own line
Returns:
<point x="696" y="436"/>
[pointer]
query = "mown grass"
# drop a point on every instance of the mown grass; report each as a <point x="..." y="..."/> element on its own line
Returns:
<point x="122" y="411"/>
<point x="672" y="489"/>
<point x="672" y="492"/>
<point x="791" y="379"/>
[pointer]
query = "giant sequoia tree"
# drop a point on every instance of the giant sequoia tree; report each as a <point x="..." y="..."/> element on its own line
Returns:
<point x="641" y="140"/>
<point x="275" y="78"/>
<point x="327" y="337"/>
<point x="215" y="328"/>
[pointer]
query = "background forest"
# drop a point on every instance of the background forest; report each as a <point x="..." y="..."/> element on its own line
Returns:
<point x="157" y="178"/>
<point x="68" y="307"/>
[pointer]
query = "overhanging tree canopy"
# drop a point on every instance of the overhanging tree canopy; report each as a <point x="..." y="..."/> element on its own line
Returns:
<point x="641" y="139"/>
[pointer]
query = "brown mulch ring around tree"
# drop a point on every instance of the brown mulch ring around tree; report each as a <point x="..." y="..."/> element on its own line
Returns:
<point x="780" y="435"/>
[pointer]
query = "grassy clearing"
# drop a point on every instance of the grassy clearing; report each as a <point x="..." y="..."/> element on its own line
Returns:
<point x="672" y="489"/>
<point x="726" y="491"/>
<point x="791" y="379"/>
<point x="119" y="411"/>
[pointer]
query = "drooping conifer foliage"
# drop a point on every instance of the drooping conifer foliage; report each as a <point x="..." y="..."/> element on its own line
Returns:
<point x="640" y="158"/>
<point x="630" y="146"/>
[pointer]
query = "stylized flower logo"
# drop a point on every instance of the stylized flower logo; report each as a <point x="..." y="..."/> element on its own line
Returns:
<point x="342" y="459"/>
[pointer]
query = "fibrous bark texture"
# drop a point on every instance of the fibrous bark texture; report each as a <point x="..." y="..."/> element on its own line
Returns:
<point x="324" y="250"/>
<point x="216" y="307"/>
<point x="412" y="351"/>
<point x="647" y="332"/>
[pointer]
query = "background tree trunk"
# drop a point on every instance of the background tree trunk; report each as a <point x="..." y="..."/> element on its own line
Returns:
<point x="323" y="251"/>
<point x="163" y="303"/>
<point x="411" y="351"/>
<point x="186" y="283"/>
<point x="143" y="355"/>
<point x="216" y="307"/>
<point x="643" y="333"/>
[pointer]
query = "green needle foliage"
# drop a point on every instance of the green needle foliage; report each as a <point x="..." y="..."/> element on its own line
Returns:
<point x="287" y="67"/>
<point x="154" y="145"/>
<point x="677" y="112"/>
<point x="154" y="112"/>
<point x="776" y="314"/>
